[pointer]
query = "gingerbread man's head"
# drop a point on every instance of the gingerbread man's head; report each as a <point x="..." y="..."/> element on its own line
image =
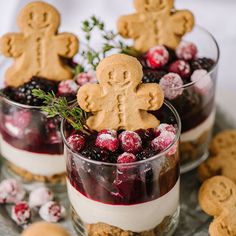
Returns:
<point x="153" y="5"/>
<point x="38" y="16"/>
<point x="120" y="70"/>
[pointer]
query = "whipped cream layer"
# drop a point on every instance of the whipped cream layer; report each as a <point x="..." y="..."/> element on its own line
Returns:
<point x="197" y="131"/>
<point x="35" y="163"/>
<point x="136" y="218"/>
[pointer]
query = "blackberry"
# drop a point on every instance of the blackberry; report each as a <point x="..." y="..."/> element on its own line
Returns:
<point x="145" y="154"/>
<point x="152" y="76"/>
<point x="202" y="63"/>
<point x="95" y="153"/>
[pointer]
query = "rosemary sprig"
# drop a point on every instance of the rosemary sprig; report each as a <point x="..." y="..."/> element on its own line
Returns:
<point x="59" y="106"/>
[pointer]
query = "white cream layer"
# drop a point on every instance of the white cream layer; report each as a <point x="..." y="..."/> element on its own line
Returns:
<point x="196" y="132"/>
<point x="136" y="218"/>
<point x="35" y="163"/>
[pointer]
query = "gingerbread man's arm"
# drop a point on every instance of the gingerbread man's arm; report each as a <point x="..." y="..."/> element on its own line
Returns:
<point x="150" y="97"/>
<point x="12" y="44"/>
<point x="90" y="98"/>
<point x="66" y="44"/>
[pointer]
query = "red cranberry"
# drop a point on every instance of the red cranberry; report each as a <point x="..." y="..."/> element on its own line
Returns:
<point x="181" y="68"/>
<point x="164" y="127"/>
<point x="157" y="57"/>
<point x="130" y="141"/>
<point x="86" y="77"/>
<point x="67" y="87"/>
<point x="161" y="142"/>
<point x="172" y="85"/>
<point x="126" y="158"/>
<point x="107" y="140"/>
<point x="76" y="142"/>
<point x="21" y="214"/>
<point x="186" y="51"/>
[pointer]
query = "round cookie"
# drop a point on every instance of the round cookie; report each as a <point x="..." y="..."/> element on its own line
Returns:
<point x="44" y="228"/>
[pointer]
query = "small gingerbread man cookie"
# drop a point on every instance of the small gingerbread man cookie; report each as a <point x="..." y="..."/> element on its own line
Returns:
<point x="38" y="49"/>
<point x="120" y="101"/>
<point x="217" y="197"/>
<point x="155" y="23"/>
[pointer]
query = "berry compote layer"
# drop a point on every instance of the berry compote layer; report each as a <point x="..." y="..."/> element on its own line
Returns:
<point x="114" y="177"/>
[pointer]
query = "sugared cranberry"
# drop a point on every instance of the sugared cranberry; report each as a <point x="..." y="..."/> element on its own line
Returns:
<point x="164" y="127"/>
<point x="11" y="191"/>
<point x="67" y="87"/>
<point x="76" y="142"/>
<point x="107" y="140"/>
<point x="157" y="57"/>
<point x="161" y="142"/>
<point x="52" y="212"/>
<point x="186" y="51"/>
<point x="181" y="68"/>
<point x="126" y="158"/>
<point x="172" y="85"/>
<point x="86" y="77"/>
<point x="130" y="141"/>
<point x="21" y="213"/>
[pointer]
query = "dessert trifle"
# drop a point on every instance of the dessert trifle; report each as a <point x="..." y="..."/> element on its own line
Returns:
<point x="122" y="161"/>
<point x="30" y="140"/>
<point x="185" y="67"/>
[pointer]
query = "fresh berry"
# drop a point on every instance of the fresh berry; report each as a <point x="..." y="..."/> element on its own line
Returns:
<point x="187" y="51"/>
<point x="96" y="154"/>
<point x="164" y="127"/>
<point x="40" y="196"/>
<point x="157" y="57"/>
<point x="181" y="68"/>
<point x="107" y="140"/>
<point x="86" y="77"/>
<point x="161" y="142"/>
<point x="67" y="87"/>
<point x="152" y="76"/>
<point x="52" y="212"/>
<point x="145" y="134"/>
<point x="202" y="63"/>
<point x="76" y="142"/>
<point x="126" y="158"/>
<point x="203" y="83"/>
<point x="172" y="85"/>
<point x="21" y="213"/>
<point x="130" y="142"/>
<point x="11" y="191"/>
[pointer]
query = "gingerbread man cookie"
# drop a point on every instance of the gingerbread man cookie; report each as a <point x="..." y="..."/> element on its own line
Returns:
<point x="120" y="101"/>
<point x="155" y="23"/>
<point x="217" y="197"/>
<point x="38" y="49"/>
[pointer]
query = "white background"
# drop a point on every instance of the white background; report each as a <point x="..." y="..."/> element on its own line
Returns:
<point x="218" y="16"/>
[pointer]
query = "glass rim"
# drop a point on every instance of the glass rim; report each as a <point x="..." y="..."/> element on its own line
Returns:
<point x="157" y="156"/>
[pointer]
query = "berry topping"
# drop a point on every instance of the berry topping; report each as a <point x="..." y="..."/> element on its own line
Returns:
<point x="164" y="127"/>
<point x="67" y="87"/>
<point x="76" y="142"/>
<point x="107" y="140"/>
<point x="52" y="212"/>
<point x="161" y="142"/>
<point x="172" y="85"/>
<point x="157" y="57"/>
<point x="86" y="77"/>
<point x="21" y="213"/>
<point x="11" y="191"/>
<point x="96" y="154"/>
<point x="130" y="141"/>
<point x="202" y="63"/>
<point x="40" y="196"/>
<point x="186" y="50"/>
<point x="152" y="76"/>
<point x="181" y="68"/>
<point x="126" y="158"/>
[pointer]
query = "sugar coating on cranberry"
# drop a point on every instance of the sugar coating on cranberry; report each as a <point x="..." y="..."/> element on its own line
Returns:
<point x="187" y="51"/>
<point x="52" y="212"/>
<point x="21" y="213"/>
<point x="161" y="142"/>
<point x="11" y="191"/>
<point x="164" y="127"/>
<point x="202" y="81"/>
<point x="86" y="77"/>
<point x="130" y="142"/>
<point x="181" y="68"/>
<point x="107" y="140"/>
<point x="40" y="196"/>
<point x="76" y="142"/>
<point x="157" y="57"/>
<point x="126" y="158"/>
<point x="172" y="85"/>
<point x="67" y="87"/>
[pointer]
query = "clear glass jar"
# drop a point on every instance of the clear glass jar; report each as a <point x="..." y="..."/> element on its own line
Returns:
<point x="129" y="199"/>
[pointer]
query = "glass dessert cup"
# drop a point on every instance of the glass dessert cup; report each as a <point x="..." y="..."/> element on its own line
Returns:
<point x="31" y="144"/>
<point x="139" y="198"/>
